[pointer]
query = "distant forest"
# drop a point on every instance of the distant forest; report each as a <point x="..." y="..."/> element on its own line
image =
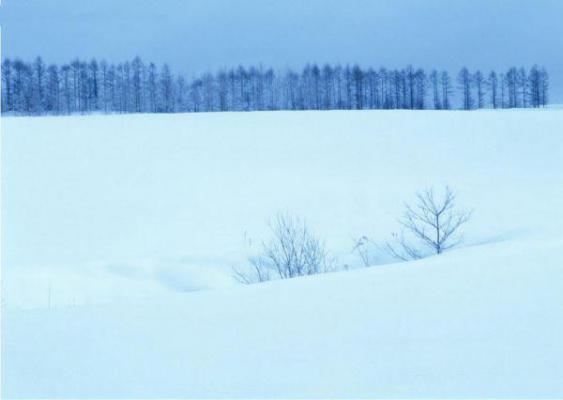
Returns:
<point x="135" y="87"/>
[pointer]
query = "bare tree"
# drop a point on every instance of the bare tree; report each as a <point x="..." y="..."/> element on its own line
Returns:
<point x="446" y="85"/>
<point x="293" y="251"/>
<point x="435" y="90"/>
<point x="364" y="247"/>
<point x="432" y="223"/>
<point x="479" y="83"/>
<point x="465" y="80"/>
<point x="493" y="88"/>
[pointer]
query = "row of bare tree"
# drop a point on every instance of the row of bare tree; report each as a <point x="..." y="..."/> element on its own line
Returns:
<point x="430" y="225"/>
<point x="133" y="87"/>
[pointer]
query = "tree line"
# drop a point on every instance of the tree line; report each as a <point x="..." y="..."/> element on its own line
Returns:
<point x="36" y="88"/>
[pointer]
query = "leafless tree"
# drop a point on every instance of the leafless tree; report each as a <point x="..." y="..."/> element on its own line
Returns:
<point x="293" y="251"/>
<point x="479" y="83"/>
<point x="446" y="84"/>
<point x="433" y="223"/>
<point x="435" y="90"/>
<point x="465" y="80"/>
<point x="364" y="247"/>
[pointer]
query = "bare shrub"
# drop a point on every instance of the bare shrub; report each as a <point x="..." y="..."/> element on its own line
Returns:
<point x="293" y="251"/>
<point x="430" y="225"/>
<point x="365" y="247"/>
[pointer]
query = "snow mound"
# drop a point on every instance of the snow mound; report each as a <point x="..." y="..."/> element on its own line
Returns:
<point x="484" y="321"/>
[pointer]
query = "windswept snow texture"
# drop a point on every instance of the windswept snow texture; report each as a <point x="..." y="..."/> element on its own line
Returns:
<point x="114" y="228"/>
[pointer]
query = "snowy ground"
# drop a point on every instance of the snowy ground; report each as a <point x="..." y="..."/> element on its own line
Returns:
<point x="112" y="225"/>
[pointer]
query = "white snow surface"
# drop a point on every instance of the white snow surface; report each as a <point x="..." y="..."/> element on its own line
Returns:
<point x="114" y="228"/>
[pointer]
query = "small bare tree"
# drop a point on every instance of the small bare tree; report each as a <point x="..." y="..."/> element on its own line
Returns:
<point x="364" y="247"/>
<point x="432" y="222"/>
<point x="293" y="251"/>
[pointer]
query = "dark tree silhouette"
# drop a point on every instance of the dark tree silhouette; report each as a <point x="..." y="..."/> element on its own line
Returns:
<point x="479" y="83"/>
<point x="464" y="80"/>
<point x="133" y="86"/>
<point x="493" y="89"/>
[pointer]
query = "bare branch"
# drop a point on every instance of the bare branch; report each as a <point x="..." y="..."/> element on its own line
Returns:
<point x="433" y="222"/>
<point x="293" y="251"/>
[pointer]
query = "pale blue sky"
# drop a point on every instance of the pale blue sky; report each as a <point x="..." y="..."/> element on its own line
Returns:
<point x="195" y="35"/>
